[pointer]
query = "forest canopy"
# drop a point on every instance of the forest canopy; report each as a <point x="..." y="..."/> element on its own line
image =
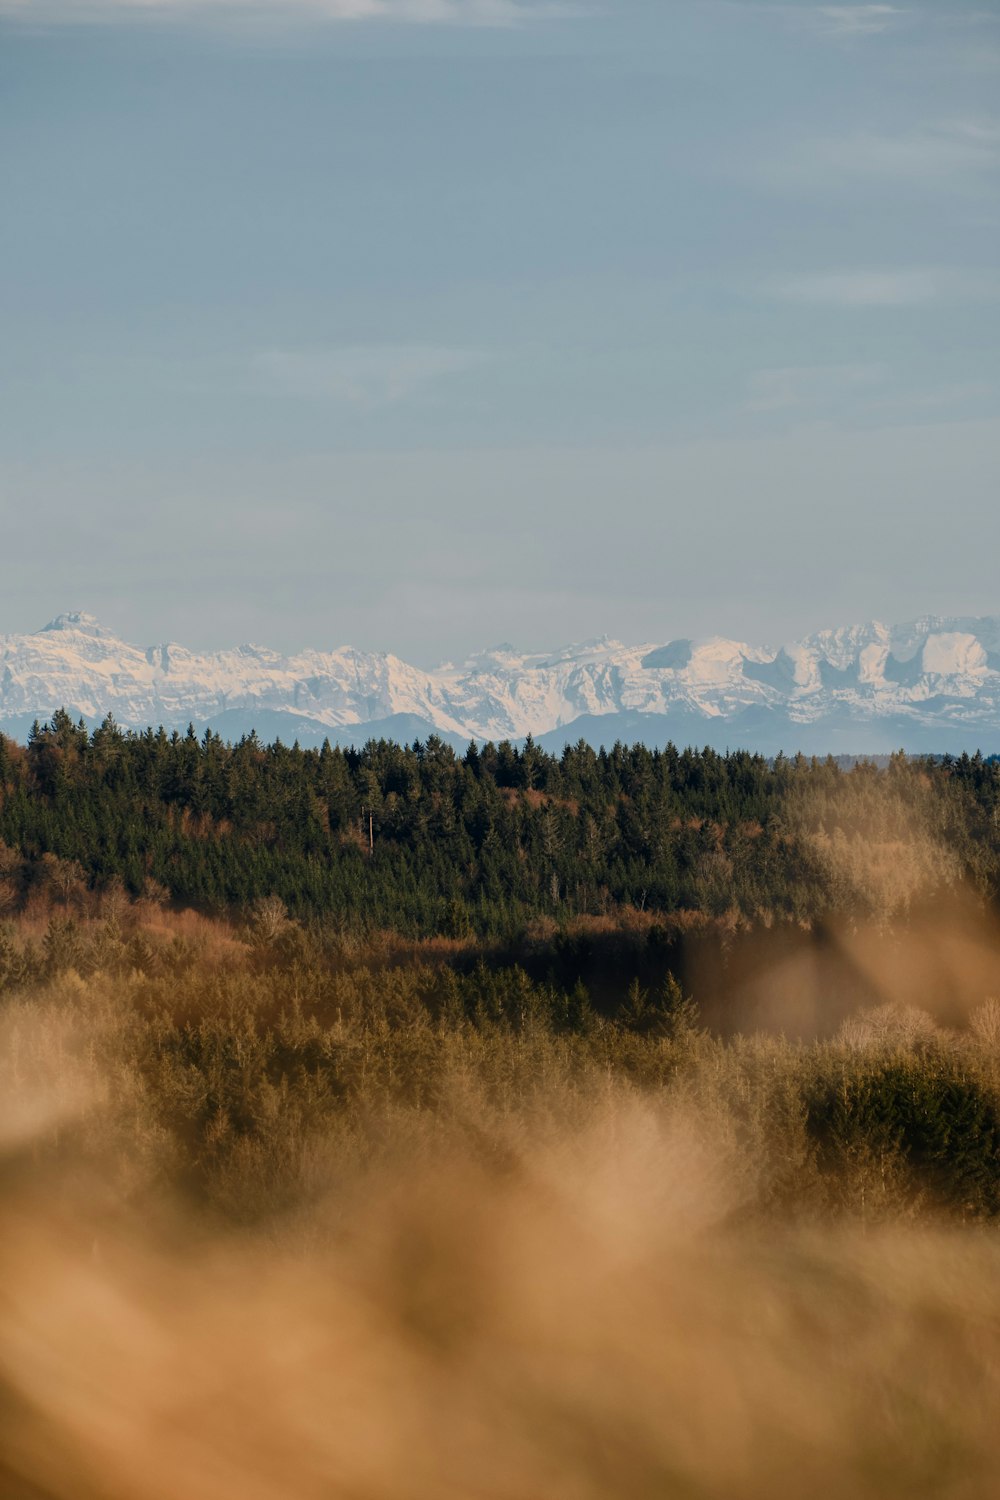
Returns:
<point x="427" y="842"/>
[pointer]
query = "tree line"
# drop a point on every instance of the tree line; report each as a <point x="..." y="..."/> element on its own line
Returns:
<point x="425" y="841"/>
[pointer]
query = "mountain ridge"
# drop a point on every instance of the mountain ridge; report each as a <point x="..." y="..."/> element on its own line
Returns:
<point x="928" y="684"/>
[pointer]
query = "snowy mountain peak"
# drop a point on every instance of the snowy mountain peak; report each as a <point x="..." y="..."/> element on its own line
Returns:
<point x="933" y="683"/>
<point x="79" y="622"/>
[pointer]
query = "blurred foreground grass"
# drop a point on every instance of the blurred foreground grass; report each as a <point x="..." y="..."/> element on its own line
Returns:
<point x="282" y="1233"/>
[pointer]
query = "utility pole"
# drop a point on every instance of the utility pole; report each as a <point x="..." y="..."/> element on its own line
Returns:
<point x="371" y="828"/>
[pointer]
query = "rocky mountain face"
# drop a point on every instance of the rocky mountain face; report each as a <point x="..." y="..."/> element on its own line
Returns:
<point x="933" y="684"/>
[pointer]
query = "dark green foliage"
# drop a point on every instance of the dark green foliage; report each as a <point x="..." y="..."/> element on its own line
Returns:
<point x="475" y="845"/>
<point x="926" y="1115"/>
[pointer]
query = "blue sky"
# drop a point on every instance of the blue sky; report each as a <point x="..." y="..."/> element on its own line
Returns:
<point x="422" y="324"/>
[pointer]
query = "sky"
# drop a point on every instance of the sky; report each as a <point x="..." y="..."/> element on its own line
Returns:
<point x="420" y="325"/>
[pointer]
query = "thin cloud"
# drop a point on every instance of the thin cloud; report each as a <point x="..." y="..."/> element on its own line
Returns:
<point x="798" y="387"/>
<point x="861" y="288"/>
<point x="361" y="375"/>
<point x="958" y="155"/>
<point x="934" y="152"/>
<point x="862" y="393"/>
<point x="856" y="20"/>
<point x="498" y="13"/>
<point x="835" y="21"/>
<point x="911" y="287"/>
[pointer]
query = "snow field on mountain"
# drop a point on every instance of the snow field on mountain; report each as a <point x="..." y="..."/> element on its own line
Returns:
<point x="933" y="670"/>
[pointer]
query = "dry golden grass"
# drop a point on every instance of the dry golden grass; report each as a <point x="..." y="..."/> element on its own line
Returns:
<point x="547" y="1287"/>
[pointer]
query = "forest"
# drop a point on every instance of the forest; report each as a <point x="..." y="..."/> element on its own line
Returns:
<point x="609" y="902"/>
<point x="623" y="1123"/>
<point x="424" y="842"/>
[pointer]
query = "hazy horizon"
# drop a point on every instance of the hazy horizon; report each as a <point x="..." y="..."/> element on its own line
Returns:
<point x="65" y="618"/>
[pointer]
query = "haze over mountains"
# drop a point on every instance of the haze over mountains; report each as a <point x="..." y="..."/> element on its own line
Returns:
<point x="931" y="685"/>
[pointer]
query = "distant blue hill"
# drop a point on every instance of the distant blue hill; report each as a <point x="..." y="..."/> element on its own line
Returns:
<point x="767" y="732"/>
<point x="763" y="731"/>
<point x="272" y="725"/>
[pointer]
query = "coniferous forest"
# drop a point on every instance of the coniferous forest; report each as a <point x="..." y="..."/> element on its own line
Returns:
<point x="425" y="842"/>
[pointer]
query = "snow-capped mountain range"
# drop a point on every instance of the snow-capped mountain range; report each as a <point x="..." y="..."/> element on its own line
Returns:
<point x="933" y="684"/>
